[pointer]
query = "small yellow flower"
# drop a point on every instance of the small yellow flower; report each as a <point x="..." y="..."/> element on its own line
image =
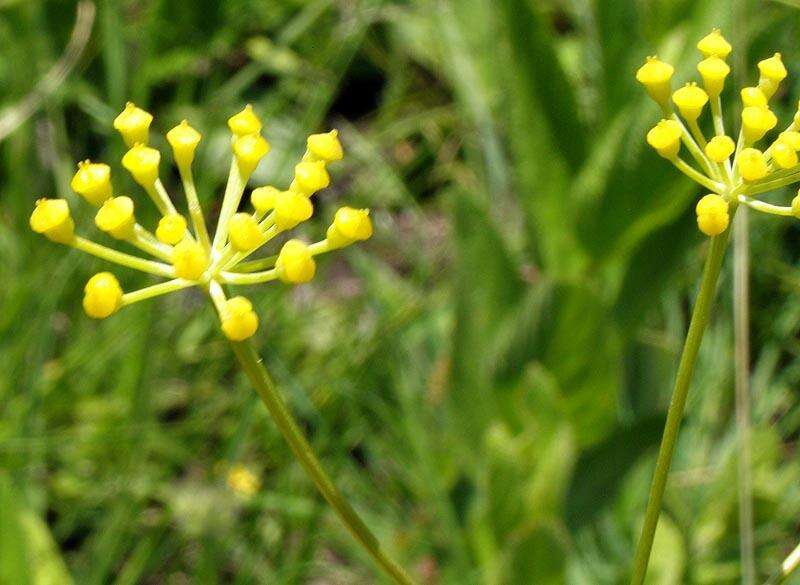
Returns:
<point x="171" y="229"/>
<point x="245" y="233"/>
<point x="243" y="481"/>
<point x="245" y="122"/>
<point x="116" y="217"/>
<point x="249" y="150"/>
<point x="783" y="155"/>
<point x="291" y="209"/>
<point x="102" y="295"/>
<point x="239" y="321"/>
<point x="310" y="177"/>
<point x="92" y="181"/>
<point x="753" y="96"/>
<point x="665" y="137"/>
<point x="142" y="163"/>
<point x="263" y="198"/>
<point x="756" y="122"/>
<point x="790" y="138"/>
<point x="772" y="73"/>
<point x="752" y="164"/>
<point x="349" y="226"/>
<point x="713" y="70"/>
<point x="714" y="44"/>
<point x="134" y="124"/>
<point x="656" y="75"/>
<point x="712" y="215"/>
<point x="295" y="263"/>
<point x="184" y="140"/>
<point x="189" y="260"/>
<point x="690" y="100"/>
<point x="720" y="148"/>
<point x="325" y="147"/>
<point x="52" y="218"/>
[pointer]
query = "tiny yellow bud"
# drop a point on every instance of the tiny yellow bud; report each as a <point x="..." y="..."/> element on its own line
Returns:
<point x="263" y="198"/>
<point x="134" y="124"/>
<point x="325" y="147"/>
<point x="714" y="44"/>
<point x="665" y="137"/>
<point x="102" y="295"/>
<point x="51" y="217"/>
<point x="249" y="150"/>
<point x="752" y="164"/>
<point x="690" y="100"/>
<point x="720" y="148"/>
<point x="243" y="481"/>
<point x="116" y="217"/>
<point x="184" y="140"/>
<point x="189" y="259"/>
<point x="790" y="138"/>
<point x="171" y="229"/>
<point x="753" y="96"/>
<point x="712" y="215"/>
<point x="655" y="75"/>
<point x="92" y="181"/>
<point x="295" y="263"/>
<point x="142" y="162"/>
<point x="239" y="321"/>
<point x="783" y="155"/>
<point x="245" y="122"/>
<point x="245" y="233"/>
<point x="713" y="70"/>
<point x="772" y="73"/>
<point x="756" y="122"/>
<point x="291" y="208"/>
<point x="796" y="205"/>
<point x="349" y="225"/>
<point x="310" y="177"/>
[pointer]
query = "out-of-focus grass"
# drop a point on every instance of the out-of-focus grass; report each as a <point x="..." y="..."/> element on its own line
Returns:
<point x="486" y="378"/>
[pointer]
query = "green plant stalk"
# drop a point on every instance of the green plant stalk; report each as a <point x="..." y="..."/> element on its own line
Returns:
<point x="255" y="370"/>
<point x="697" y="327"/>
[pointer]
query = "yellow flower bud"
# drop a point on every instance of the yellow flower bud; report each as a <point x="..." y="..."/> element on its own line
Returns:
<point x="753" y="96"/>
<point x="134" y="124"/>
<point x="712" y="215"/>
<point x="291" y="208"/>
<point x="92" y="182"/>
<point x="752" y="164"/>
<point x="189" y="259"/>
<point x="325" y="147"/>
<point x="714" y="44"/>
<point x="349" y="225"/>
<point x="713" y="70"/>
<point x="171" y="229"/>
<point x="245" y="233"/>
<point x="184" y="140"/>
<point x="102" y="295"/>
<point x="116" y="217"/>
<point x="239" y="321"/>
<point x="655" y="75"/>
<point x="665" y="137"/>
<point x="142" y="162"/>
<point x="310" y="177"/>
<point x="720" y="148"/>
<point x="690" y="100"/>
<point x="249" y="150"/>
<point x="52" y="218"/>
<point x="784" y="156"/>
<point x="263" y="198"/>
<point x="295" y="263"/>
<point x="790" y="138"/>
<point x="772" y="73"/>
<point x="756" y="122"/>
<point x="243" y="481"/>
<point x="796" y="205"/>
<point x="245" y="122"/>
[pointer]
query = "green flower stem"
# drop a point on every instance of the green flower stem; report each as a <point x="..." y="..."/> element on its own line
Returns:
<point x="697" y="327"/>
<point x="255" y="265"/>
<point x="121" y="258"/>
<point x="193" y="203"/>
<point x="255" y="370"/>
<point x="697" y="176"/>
<point x="155" y="290"/>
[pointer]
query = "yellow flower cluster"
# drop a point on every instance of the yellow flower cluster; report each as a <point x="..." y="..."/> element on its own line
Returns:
<point x="180" y="249"/>
<point x="732" y="170"/>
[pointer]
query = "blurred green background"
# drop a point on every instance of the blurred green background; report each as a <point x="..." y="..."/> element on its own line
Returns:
<point x="486" y="378"/>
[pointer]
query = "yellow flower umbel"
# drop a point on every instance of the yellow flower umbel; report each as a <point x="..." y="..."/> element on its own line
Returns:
<point x="186" y="256"/>
<point x="732" y="170"/>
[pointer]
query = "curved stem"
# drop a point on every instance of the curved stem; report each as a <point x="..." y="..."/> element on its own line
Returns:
<point x="697" y="327"/>
<point x="255" y="370"/>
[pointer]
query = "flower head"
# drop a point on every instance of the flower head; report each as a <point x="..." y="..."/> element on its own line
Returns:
<point x="184" y="140"/>
<point x="142" y="163"/>
<point x="52" y="218"/>
<point x="134" y="124"/>
<point x="665" y="137"/>
<point x="656" y="75"/>
<point x="713" y="70"/>
<point x="349" y="226"/>
<point x="714" y="45"/>
<point x="102" y="295"/>
<point x="712" y="215"/>
<point x="92" y="182"/>
<point x="690" y="100"/>
<point x="295" y="263"/>
<point x="116" y="217"/>
<point x="171" y="229"/>
<point x="245" y="122"/>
